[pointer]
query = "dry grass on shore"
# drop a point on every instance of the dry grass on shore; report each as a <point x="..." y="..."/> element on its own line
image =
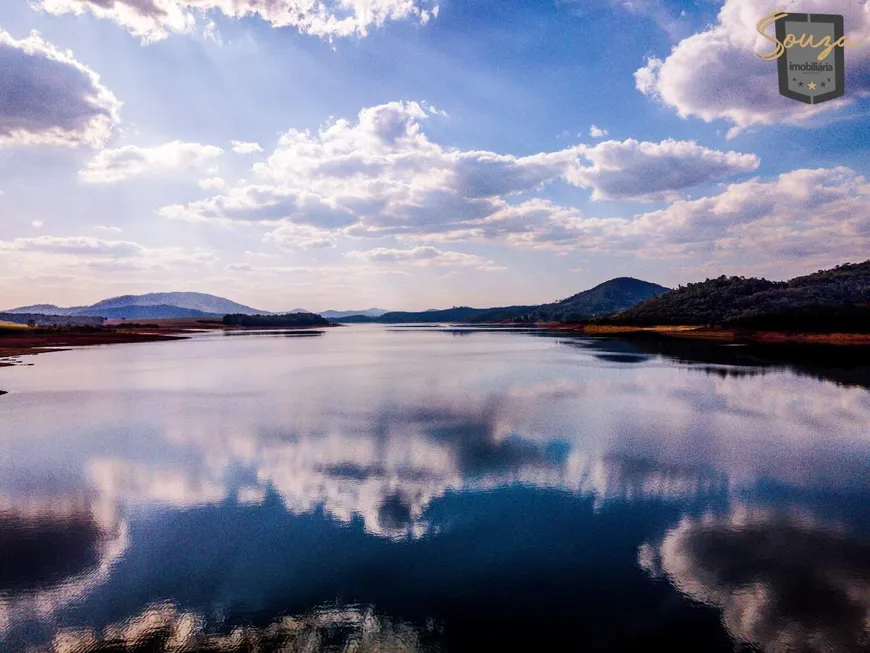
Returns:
<point x="720" y="335"/>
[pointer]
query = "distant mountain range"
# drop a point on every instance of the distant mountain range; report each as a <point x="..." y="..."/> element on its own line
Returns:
<point x="150" y="306"/>
<point x="604" y="299"/>
<point x="331" y="314"/>
<point x="825" y="301"/>
<point x="828" y="300"/>
<point x="369" y="312"/>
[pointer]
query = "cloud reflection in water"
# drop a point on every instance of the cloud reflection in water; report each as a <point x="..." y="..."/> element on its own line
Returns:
<point x="788" y="583"/>
<point x="370" y="439"/>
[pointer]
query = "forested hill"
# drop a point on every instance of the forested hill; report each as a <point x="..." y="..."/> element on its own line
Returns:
<point x="835" y="299"/>
<point x="275" y="321"/>
<point x="604" y="299"/>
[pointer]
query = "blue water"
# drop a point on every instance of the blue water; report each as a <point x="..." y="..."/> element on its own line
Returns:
<point x="436" y="489"/>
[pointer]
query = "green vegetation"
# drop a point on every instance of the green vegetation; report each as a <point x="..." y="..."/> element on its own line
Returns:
<point x="826" y="301"/>
<point x="604" y="299"/>
<point x="289" y="320"/>
<point x="455" y="314"/>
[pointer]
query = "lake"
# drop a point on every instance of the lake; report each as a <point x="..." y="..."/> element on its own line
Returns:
<point x="375" y="488"/>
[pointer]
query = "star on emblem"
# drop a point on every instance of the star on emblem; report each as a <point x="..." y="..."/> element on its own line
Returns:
<point x="811" y="86"/>
<point x="800" y="83"/>
<point x="823" y="85"/>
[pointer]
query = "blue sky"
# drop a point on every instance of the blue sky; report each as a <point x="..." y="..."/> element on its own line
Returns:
<point x="383" y="152"/>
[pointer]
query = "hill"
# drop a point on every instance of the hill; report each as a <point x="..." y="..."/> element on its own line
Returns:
<point x="161" y="311"/>
<point x="271" y="320"/>
<point x="191" y="300"/>
<point x="455" y="314"/>
<point x="43" y="309"/>
<point x="149" y="306"/>
<point x="604" y="299"/>
<point x="828" y="300"/>
<point x="368" y="312"/>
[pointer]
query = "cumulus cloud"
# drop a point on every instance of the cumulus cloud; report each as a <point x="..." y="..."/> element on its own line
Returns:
<point x="803" y="214"/>
<point x="716" y="74"/>
<point x="264" y="203"/>
<point x="153" y="20"/>
<point x="241" y="147"/>
<point x="381" y="175"/>
<point x="597" y="132"/>
<point x="292" y="236"/>
<point x="424" y="256"/>
<point x="817" y="217"/>
<point x="50" y="97"/>
<point x="653" y="171"/>
<point x="212" y="183"/>
<point x="132" y="161"/>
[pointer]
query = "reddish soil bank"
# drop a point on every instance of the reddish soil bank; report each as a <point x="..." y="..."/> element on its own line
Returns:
<point x="18" y="342"/>
<point x="721" y="335"/>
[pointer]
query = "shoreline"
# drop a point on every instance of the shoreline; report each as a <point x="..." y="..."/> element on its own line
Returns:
<point x="33" y="344"/>
<point x="16" y="342"/>
<point x="727" y="336"/>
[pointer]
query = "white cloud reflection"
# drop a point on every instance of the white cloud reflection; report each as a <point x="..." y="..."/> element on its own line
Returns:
<point x="764" y="570"/>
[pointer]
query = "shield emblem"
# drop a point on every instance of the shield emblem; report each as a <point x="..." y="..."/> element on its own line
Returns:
<point x="802" y="76"/>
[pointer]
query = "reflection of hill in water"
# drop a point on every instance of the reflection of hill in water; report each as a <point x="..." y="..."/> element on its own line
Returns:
<point x="53" y="553"/>
<point x="843" y="365"/>
<point x="39" y="551"/>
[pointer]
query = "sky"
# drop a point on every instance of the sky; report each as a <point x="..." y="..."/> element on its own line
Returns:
<point x="414" y="154"/>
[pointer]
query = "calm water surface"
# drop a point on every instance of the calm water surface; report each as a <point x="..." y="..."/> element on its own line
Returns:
<point x="426" y="489"/>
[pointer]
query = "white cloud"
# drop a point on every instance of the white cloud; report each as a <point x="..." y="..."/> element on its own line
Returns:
<point x="56" y="99"/>
<point x="101" y="255"/>
<point x="816" y="218"/>
<point x="37" y="224"/>
<point x="153" y="20"/>
<point x="133" y="161"/>
<point x="716" y="74"/>
<point x="804" y="214"/>
<point x="241" y="147"/>
<point x="291" y="236"/>
<point x="381" y="175"/>
<point x="597" y="132"/>
<point x="263" y="203"/>
<point x="212" y="183"/>
<point x="653" y="171"/>
<point x="75" y="245"/>
<point x="535" y="224"/>
<point x="424" y="256"/>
